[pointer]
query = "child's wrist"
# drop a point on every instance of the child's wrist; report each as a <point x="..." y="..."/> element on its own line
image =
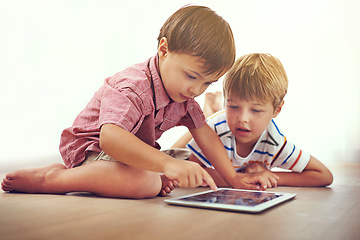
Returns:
<point x="231" y="179"/>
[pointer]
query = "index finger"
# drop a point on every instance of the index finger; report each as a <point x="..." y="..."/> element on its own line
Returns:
<point x="208" y="179"/>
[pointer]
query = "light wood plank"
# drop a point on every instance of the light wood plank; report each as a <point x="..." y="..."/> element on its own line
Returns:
<point x="316" y="213"/>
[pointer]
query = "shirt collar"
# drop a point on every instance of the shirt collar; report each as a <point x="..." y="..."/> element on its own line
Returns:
<point x="161" y="97"/>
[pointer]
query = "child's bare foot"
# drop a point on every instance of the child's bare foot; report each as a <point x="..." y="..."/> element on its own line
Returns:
<point x="30" y="180"/>
<point x="213" y="103"/>
<point x="167" y="186"/>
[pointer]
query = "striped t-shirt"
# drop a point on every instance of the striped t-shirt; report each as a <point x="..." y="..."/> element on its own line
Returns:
<point x="271" y="150"/>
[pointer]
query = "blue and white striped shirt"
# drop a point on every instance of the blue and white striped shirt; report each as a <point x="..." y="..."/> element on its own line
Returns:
<point x="271" y="150"/>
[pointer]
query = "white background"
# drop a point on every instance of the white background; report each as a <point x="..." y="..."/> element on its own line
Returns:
<point x="55" y="54"/>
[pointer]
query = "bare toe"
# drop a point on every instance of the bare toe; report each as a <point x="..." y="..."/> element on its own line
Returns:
<point x="167" y="186"/>
<point x="162" y="193"/>
<point x="170" y="186"/>
<point x="5" y="185"/>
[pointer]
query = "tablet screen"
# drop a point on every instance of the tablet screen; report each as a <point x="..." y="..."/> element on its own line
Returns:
<point x="243" y="198"/>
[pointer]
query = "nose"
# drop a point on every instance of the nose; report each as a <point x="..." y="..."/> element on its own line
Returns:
<point x="243" y="116"/>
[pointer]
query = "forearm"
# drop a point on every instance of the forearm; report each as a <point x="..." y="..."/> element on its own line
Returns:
<point x="211" y="146"/>
<point x="181" y="142"/>
<point x="220" y="182"/>
<point x="315" y="174"/>
<point x="128" y="149"/>
<point x="125" y="147"/>
<point x="303" y="179"/>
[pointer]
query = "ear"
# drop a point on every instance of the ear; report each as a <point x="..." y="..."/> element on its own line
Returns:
<point x="163" y="48"/>
<point x="278" y="109"/>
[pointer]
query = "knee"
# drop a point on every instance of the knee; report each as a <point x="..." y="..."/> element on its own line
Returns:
<point x="148" y="185"/>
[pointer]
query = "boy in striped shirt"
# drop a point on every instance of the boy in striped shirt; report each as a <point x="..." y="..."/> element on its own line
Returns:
<point x="254" y="89"/>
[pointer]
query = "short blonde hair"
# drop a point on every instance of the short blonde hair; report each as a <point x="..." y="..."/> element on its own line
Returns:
<point x="199" y="31"/>
<point x="257" y="76"/>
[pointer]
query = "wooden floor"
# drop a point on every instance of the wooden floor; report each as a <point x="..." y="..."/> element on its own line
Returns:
<point x="316" y="213"/>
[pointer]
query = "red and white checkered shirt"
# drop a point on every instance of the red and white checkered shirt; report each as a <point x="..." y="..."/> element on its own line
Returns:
<point x="135" y="100"/>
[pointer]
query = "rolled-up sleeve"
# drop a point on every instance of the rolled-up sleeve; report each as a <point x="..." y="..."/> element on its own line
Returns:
<point x="121" y="106"/>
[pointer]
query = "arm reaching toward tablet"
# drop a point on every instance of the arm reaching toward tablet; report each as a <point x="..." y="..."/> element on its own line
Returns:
<point x="252" y="180"/>
<point x="315" y="174"/>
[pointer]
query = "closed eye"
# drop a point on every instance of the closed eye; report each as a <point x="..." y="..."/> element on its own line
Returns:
<point x="234" y="107"/>
<point x="190" y="76"/>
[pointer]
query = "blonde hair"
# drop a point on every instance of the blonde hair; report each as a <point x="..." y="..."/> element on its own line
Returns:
<point x="257" y="76"/>
<point x="199" y="31"/>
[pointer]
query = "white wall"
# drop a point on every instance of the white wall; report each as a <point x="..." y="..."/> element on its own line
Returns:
<point x="55" y="54"/>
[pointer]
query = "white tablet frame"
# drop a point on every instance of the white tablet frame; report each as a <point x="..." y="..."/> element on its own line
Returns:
<point x="232" y="207"/>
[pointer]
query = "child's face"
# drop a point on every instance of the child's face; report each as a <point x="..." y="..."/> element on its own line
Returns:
<point x="247" y="119"/>
<point x="183" y="75"/>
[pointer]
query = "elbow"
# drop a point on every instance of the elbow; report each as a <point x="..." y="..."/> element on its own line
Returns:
<point x="328" y="179"/>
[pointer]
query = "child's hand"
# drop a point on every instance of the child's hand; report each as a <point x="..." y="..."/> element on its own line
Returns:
<point x="188" y="174"/>
<point x="255" y="181"/>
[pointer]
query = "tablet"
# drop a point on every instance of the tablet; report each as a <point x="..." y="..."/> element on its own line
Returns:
<point x="233" y="200"/>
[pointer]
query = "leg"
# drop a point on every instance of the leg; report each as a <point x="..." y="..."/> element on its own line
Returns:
<point x="213" y="103"/>
<point x="103" y="178"/>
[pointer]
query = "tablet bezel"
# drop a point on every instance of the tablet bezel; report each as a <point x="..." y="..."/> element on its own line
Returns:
<point x="231" y="207"/>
